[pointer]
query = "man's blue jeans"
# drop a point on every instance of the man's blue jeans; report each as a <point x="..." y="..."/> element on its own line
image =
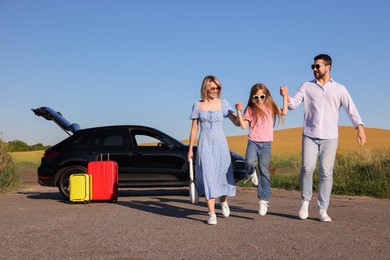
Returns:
<point x="326" y="149"/>
<point x="260" y="152"/>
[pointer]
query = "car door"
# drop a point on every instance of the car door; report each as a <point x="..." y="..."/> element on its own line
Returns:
<point x="110" y="143"/>
<point x="154" y="159"/>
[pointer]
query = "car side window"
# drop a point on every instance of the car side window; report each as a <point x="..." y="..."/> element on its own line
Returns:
<point x="108" y="138"/>
<point x="146" y="140"/>
<point x="115" y="140"/>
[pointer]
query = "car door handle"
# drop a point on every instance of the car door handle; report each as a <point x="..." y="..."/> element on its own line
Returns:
<point x="137" y="153"/>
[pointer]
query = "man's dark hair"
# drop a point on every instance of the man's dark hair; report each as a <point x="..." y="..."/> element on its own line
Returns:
<point x="325" y="57"/>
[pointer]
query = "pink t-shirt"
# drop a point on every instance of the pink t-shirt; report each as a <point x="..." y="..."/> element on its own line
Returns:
<point x="260" y="129"/>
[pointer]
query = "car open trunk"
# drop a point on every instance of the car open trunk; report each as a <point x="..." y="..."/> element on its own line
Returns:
<point x="50" y="114"/>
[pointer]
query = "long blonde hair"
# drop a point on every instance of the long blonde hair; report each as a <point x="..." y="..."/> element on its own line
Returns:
<point x="269" y="103"/>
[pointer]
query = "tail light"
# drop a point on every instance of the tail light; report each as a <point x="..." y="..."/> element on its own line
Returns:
<point x="50" y="154"/>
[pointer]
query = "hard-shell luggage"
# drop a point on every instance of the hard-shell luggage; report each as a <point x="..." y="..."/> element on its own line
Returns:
<point x="80" y="187"/>
<point x="105" y="180"/>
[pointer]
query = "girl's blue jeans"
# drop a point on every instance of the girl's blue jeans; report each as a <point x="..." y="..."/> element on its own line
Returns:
<point x="259" y="153"/>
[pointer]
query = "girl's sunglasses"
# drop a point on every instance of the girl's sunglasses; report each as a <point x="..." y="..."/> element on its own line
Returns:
<point x="256" y="97"/>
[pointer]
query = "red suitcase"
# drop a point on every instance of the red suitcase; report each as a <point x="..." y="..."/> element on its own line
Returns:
<point x="104" y="180"/>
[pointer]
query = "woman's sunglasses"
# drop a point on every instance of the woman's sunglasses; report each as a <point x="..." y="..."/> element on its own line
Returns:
<point x="257" y="97"/>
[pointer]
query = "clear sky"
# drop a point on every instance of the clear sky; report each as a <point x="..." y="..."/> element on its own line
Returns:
<point x="142" y="62"/>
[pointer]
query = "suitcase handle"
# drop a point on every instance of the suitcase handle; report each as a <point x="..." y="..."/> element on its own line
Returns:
<point x="101" y="156"/>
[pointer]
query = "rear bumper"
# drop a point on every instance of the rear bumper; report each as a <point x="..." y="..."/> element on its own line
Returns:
<point x="46" y="178"/>
<point x="46" y="181"/>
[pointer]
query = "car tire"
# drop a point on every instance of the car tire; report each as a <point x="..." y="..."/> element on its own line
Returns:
<point x="63" y="180"/>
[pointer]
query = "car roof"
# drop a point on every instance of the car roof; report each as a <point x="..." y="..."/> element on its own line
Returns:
<point x="138" y="127"/>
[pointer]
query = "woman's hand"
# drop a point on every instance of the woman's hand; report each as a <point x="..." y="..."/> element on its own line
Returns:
<point x="190" y="154"/>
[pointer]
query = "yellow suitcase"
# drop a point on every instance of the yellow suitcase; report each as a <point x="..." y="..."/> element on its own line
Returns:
<point x="80" y="187"/>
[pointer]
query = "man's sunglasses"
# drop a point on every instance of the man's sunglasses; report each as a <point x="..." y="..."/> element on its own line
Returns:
<point x="315" y="66"/>
<point x="257" y="97"/>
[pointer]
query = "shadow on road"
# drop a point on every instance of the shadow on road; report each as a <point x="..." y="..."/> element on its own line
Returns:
<point x="151" y="192"/>
<point x="172" y="207"/>
<point x="282" y="215"/>
<point x="43" y="195"/>
<point x="159" y="202"/>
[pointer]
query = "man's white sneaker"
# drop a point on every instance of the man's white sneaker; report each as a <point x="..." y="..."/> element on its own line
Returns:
<point x="225" y="209"/>
<point x="323" y="216"/>
<point x="304" y="209"/>
<point x="263" y="207"/>
<point x="254" y="179"/>
<point x="212" y="219"/>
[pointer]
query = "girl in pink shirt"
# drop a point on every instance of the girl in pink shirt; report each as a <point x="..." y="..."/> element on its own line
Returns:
<point x="261" y="113"/>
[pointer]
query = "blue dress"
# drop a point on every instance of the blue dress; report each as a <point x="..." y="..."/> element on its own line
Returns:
<point x="213" y="166"/>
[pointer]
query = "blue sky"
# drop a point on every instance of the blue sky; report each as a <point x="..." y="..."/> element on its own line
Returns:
<point x="142" y="62"/>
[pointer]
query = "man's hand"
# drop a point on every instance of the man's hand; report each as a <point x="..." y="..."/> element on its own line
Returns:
<point x="361" y="136"/>
<point x="283" y="91"/>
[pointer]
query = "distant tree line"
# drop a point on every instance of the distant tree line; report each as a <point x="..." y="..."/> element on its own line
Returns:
<point x="20" y="146"/>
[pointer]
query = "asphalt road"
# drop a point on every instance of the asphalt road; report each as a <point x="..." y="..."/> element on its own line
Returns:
<point x="36" y="223"/>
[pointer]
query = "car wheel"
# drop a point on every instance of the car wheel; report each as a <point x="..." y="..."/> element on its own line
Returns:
<point x="63" y="180"/>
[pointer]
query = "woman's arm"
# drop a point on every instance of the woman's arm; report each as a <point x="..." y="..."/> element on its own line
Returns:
<point x="234" y="119"/>
<point x="241" y="122"/>
<point x="193" y="132"/>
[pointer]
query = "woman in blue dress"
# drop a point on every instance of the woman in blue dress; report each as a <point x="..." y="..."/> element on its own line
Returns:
<point x="213" y="166"/>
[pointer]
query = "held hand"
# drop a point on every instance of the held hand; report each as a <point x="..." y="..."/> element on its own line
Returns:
<point x="238" y="106"/>
<point x="283" y="91"/>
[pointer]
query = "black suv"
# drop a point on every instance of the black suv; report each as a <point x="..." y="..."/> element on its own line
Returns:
<point x="146" y="157"/>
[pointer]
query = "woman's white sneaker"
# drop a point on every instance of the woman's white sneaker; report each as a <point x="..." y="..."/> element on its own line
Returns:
<point x="212" y="219"/>
<point x="225" y="209"/>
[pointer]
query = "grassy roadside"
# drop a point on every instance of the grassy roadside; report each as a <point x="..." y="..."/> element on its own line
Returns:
<point x="30" y="159"/>
<point x="358" y="170"/>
